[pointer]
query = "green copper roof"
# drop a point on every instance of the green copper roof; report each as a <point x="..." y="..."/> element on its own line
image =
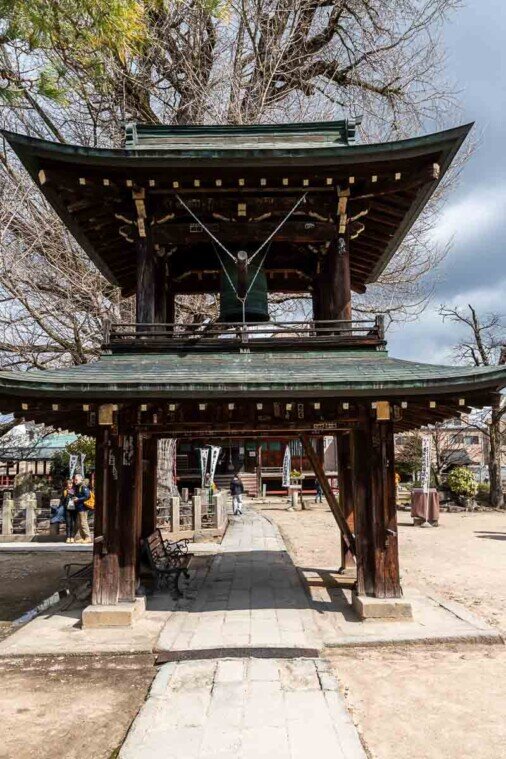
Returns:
<point x="317" y="134"/>
<point x="291" y="374"/>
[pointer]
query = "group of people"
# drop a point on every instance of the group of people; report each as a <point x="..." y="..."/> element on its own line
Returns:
<point x="75" y="503"/>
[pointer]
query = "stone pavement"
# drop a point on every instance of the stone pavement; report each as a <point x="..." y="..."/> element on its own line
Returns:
<point x="251" y="598"/>
<point x="243" y="709"/>
<point x="275" y="697"/>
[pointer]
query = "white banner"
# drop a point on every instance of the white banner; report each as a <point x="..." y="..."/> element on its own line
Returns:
<point x="204" y="456"/>
<point x="426" y="456"/>
<point x="215" y="452"/>
<point x="287" y="466"/>
<point x="83" y="456"/>
<point x="73" y="459"/>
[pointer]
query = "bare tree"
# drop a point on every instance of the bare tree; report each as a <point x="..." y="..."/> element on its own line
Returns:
<point x="75" y="72"/>
<point x="484" y="344"/>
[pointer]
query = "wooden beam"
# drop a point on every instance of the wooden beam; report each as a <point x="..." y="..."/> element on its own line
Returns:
<point x="105" y="589"/>
<point x="315" y="462"/>
<point x="375" y="512"/>
<point x="130" y="499"/>
<point x="149" y="494"/>
<point x="345" y="476"/>
<point x="146" y="274"/>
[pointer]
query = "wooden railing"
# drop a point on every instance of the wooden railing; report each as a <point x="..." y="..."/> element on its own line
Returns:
<point x="227" y="336"/>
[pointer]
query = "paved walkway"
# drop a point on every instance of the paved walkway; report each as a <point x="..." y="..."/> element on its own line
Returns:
<point x="251" y="598"/>
<point x="243" y="709"/>
<point x="266" y="701"/>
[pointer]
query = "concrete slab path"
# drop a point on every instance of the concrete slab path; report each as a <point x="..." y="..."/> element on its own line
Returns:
<point x="243" y="709"/>
<point x="267" y="701"/>
<point x="251" y="598"/>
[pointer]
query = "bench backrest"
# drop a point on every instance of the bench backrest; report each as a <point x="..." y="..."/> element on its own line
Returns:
<point x="155" y="547"/>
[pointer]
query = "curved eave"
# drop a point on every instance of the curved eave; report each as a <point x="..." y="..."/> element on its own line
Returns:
<point x="448" y="141"/>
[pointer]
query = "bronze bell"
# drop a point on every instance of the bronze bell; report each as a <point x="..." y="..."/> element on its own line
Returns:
<point x="241" y="276"/>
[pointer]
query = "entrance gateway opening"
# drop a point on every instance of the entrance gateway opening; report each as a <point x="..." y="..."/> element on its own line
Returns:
<point x="244" y="211"/>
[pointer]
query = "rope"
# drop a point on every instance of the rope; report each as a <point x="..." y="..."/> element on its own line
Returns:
<point x="201" y="223"/>
<point x="281" y="223"/>
<point x="218" y="242"/>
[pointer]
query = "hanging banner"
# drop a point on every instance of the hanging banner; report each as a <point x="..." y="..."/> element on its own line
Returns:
<point x="83" y="456"/>
<point x="426" y="456"/>
<point x="287" y="466"/>
<point x="204" y="456"/>
<point x="73" y="459"/>
<point x="215" y="452"/>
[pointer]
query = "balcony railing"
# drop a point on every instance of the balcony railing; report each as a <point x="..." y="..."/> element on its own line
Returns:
<point x="252" y="335"/>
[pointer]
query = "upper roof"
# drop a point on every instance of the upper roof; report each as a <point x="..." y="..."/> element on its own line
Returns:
<point x="240" y="182"/>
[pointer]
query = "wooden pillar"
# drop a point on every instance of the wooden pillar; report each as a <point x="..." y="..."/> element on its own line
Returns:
<point x="322" y="478"/>
<point x="106" y="541"/>
<point x="332" y="287"/>
<point x="149" y="489"/>
<point x="345" y="475"/>
<point x="130" y="504"/>
<point x="160" y="291"/>
<point x="146" y="276"/>
<point x="375" y="515"/>
<point x="170" y="309"/>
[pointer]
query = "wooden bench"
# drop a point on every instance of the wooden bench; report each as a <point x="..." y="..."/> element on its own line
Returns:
<point x="78" y="579"/>
<point x="167" y="560"/>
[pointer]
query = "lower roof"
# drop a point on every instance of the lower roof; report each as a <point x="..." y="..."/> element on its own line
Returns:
<point x="350" y="373"/>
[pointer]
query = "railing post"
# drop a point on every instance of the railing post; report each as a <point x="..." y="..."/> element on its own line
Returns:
<point x="175" y="519"/>
<point x="7" y="514"/>
<point x="380" y="326"/>
<point x="197" y="512"/>
<point x="106" y="326"/>
<point x="30" y="503"/>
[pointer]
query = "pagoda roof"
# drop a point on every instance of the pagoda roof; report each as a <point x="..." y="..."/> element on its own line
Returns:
<point x="340" y="373"/>
<point x="265" y="169"/>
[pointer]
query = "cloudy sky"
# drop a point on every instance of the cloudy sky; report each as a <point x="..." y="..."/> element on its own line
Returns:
<point x="474" y="218"/>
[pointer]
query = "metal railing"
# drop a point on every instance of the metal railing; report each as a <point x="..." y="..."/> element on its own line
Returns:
<point x="237" y="334"/>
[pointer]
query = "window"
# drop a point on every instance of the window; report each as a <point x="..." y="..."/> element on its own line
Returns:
<point x="471" y="440"/>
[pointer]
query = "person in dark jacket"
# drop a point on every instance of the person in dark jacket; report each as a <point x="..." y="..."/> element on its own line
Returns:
<point x="81" y="495"/>
<point x="236" y="491"/>
<point x="67" y="501"/>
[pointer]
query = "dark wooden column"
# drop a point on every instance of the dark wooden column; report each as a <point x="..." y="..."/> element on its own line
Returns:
<point x="334" y="506"/>
<point x="332" y="286"/>
<point x="106" y="534"/>
<point x="146" y="276"/>
<point x="374" y="501"/>
<point x="130" y="505"/>
<point x="160" y="290"/>
<point x="149" y="489"/>
<point x="345" y="475"/>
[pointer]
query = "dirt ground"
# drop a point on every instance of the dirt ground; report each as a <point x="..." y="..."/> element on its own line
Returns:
<point x="70" y="707"/>
<point x="28" y="578"/>
<point x="424" y="702"/>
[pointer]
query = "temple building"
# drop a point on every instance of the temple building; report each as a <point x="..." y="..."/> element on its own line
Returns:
<point x="244" y="211"/>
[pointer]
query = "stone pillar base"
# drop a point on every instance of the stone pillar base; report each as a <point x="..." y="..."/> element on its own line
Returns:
<point x="122" y="614"/>
<point x="368" y="607"/>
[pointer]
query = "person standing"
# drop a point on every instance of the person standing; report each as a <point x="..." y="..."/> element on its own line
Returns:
<point x="319" y="493"/>
<point x="236" y="491"/>
<point x="67" y="501"/>
<point x="81" y="495"/>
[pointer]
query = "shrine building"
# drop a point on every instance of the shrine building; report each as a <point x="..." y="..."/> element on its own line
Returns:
<point x="246" y="212"/>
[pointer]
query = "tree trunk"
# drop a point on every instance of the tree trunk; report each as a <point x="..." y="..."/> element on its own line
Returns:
<point x="494" y="462"/>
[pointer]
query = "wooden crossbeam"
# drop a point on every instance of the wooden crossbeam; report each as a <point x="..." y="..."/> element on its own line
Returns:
<point x="348" y="537"/>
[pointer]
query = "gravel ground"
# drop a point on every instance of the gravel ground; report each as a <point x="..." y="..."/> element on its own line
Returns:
<point x="444" y="702"/>
<point x="70" y="707"/>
